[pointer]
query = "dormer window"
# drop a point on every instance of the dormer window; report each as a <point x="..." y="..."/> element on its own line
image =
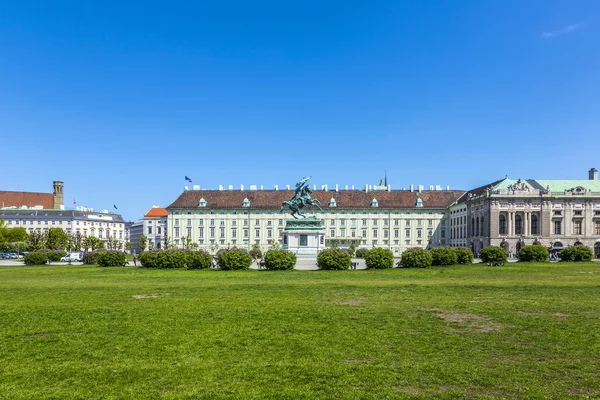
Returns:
<point x="202" y="203"/>
<point x="332" y="203"/>
<point x="419" y="202"/>
<point x="246" y="202"/>
<point x="374" y="203"/>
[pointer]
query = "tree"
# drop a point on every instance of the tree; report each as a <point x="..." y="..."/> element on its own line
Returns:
<point x="143" y="243"/>
<point x="56" y="239"/>
<point x="128" y="246"/>
<point x="92" y="242"/>
<point x="76" y="241"/>
<point x="18" y="234"/>
<point x="112" y="243"/>
<point x="36" y="240"/>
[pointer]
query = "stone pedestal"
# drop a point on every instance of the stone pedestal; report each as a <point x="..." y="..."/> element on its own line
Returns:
<point x="304" y="237"/>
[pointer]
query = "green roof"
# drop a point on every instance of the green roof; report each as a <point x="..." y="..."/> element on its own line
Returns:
<point x="562" y="185"/>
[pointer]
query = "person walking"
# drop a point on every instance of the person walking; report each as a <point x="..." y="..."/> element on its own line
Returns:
<point x="135" y="260"/>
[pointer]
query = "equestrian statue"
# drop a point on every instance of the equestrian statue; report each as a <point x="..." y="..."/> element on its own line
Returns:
<point x="301" y="199"/>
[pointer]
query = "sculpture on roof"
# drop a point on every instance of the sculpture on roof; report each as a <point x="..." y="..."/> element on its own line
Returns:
<point x="301" y="199"/>
<point x="519" y="186"/>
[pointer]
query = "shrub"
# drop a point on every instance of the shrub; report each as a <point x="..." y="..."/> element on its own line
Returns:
<point x="416" y="258"/>
<point x="533" y="253"/>
<point x="464" y="255"/>
<point x="35" y="258"/>
<point x="234" y="258"/>
<point x="493" y="255"/>
<point x="333" y="259"/>
<point x="280" y="260"/>
<point x="379" y="258"/>
<point x="197" y="260"/>
<point x="443" y="256"/>
<point x="111" y="258"/>
<point x="90" y="257"/>
<point x="360" y="253"/>
<point x="55" y="255"/>
<point x="172" y="258"/>
<point x="576" y="253"/>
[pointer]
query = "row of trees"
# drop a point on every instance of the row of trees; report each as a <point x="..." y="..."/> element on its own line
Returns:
<point x="17" y="239"/>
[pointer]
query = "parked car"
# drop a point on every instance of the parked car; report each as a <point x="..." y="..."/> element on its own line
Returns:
<point x="13" y="255"/>
<point x="5" y="255"/>
<point x="72" y="257"/>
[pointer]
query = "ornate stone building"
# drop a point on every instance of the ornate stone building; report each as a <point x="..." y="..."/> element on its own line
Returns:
<point x="511" y="214"/>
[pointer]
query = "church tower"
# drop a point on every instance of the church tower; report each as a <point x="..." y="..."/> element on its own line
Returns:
<point x="58" y="195"/>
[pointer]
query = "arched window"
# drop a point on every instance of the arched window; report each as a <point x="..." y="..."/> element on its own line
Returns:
<point x="477" y="227"/>
<point x="518" y="225"/>
<point x="502" y="225"/>
<point x="534" y="225"/>
<point x="472" y="226"/>
<point x="482" y="227"/>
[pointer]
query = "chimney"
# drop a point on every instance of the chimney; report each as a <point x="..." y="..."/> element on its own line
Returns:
<point x="241" y="188"/>
<point x="412" y="188"/>
<point x="58" y="195"/>
<point x="593" y="174"/>
<point x="337" y="187"/>
<point x="276" y="187"/>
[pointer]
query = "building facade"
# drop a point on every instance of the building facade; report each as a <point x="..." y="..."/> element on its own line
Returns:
<point x="47" y="201"/>
<point x="514" y="213"/>
<point x="397" y="220"/>
<point x="155" y="227"/>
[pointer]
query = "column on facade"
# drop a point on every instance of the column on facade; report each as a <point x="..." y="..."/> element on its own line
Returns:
<point x="510" y="223"/>
<point x="588" y="221"/>
<point x="527" y="227"/>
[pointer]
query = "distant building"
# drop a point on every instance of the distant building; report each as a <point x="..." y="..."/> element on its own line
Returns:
<point x="374" y="217"/>
<point x="47" y="201"/>
<point x="136" y="230"/>
<point x="155" y="225"/>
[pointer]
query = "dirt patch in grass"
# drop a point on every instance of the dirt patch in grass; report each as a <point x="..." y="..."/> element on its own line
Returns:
<point x="150" y="296"/>
<point x="354" y="302"/>
<point x="470" y="321"/>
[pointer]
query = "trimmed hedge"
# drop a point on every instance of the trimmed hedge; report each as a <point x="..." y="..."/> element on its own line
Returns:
<point x="234" y="259"/>
<point x="111" y="258"/>
<point x="443" y="256"/>
<point x="197" y="259"/>
<point x="171" y="258"/>
<point x="576" y="253"/>
<point x="464" y="255"/>
<point x="90" y="257"/>
<point x="533" y="253"/>
<point x="35" y="258"/>
<point x="493" y="255"/>
<point x="278" y="260"/>
<point x="379" y="258"/>
<point x="416" y="258"/>
<point x="334" y="259"/>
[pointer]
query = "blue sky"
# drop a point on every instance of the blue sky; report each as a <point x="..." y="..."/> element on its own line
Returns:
<point x="121" y="100"/>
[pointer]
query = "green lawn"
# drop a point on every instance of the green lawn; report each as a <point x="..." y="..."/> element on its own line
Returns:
<point x="518" y="331"/>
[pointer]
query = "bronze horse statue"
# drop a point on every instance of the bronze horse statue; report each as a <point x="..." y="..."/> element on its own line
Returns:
<point x="301" y="199"/>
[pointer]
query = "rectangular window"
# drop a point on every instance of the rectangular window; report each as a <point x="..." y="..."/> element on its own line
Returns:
<point x="342" y="232"/>
<point x="222" y="232"/>
<point x="429" y="233"/>
<point x="429" y="222"/>
<point x="342" y="222"/>
<point x="158" y="230"/>
<point x="280" y="222"/>
<point x="386" y="233"/>
<point x="557" y="227"/>
<point x="364" y="233"/>
<point x="212" y="232"/>
<point x="245" y="222"/>
<point x="245" y="233"/>
<point x="176" y="232"/>
<point x="374" y="233"/>
<point x="233" y="222"/>
<point x="407" y="233"/>
<point x="557" y="212"/>
<point x="364" y="222"/>
<point x="212" y="221"/>
<point x="222" y="222"/>
<point x="189" y="222"/>
<point x="396" y="233"/>
<point x="149" y="230"/>
<point x="443" y="234"/>
<point x="374" y="222"/>
<point x="257" y="231"/>
<point x="176" y="222"/>
<point x="201" y="232"/>
<point x="269" y="233"/>
<point x="332" y="233"/>
<point x="233" y="233"/>
<point x="269" y="222"/>
<point x="201" y="222"/>
<point x="385" y="222"/>
<point x="597" y="228"/>
<point x="419" y="222"/>
<point x="353" y="233"/>
<point x="578" y="212"/>
<point x="407" y="222"/>
<point x="189" y="232"/>
<point x="419" y="233"/>
<point x="353" y="222"/>
<point x="257" y="222"/>
<point x="332" y="222"/>
<point x="577" y="227"/>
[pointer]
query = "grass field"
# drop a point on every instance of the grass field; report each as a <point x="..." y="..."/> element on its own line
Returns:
<point x="518" y="331"/>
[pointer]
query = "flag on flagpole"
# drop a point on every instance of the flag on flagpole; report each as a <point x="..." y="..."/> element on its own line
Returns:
<point x="187" y="178"/>
<point x="74" y="201"/>
<point x="115" y="206"/>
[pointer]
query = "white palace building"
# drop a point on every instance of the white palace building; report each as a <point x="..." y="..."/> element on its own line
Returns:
<point x="507" y="213"/>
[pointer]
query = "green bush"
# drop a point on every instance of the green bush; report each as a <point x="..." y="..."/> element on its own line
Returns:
<point x="333" y="259"/>
<point x="171" y="258"/>
<point x="464" y="255"/>
<point x="493" y="255"/>
<point x="280" y="260"/>
<point x="443" y="256"/>
<point x="55" y="255"/>
<point x="90" y="257"/>
<point x="576" y="253"/>
<point x="197" y="259"/>
<point x="360" y="253"/>
<point x="35" y="258"/>
<point x="379" y="258"/>
<point x="234" y="259"/>
<point x="416" y="258"/>
<point x="111" y="258"/>
<point x="533" y="253"/>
